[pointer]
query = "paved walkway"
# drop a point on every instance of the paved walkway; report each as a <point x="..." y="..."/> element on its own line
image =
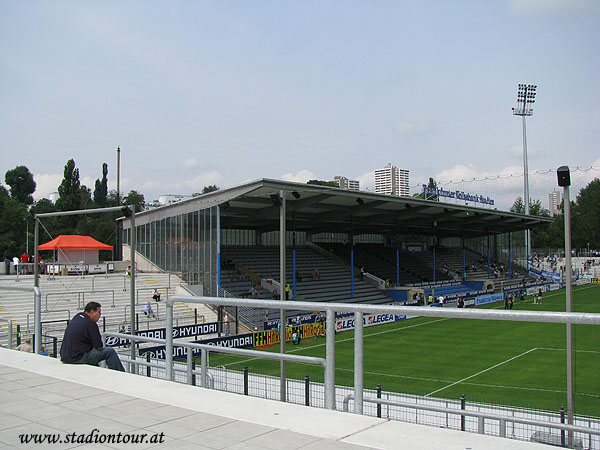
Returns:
<point x="92" y="406"/>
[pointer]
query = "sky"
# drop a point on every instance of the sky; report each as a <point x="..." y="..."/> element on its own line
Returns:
<point x="198" y="93"/>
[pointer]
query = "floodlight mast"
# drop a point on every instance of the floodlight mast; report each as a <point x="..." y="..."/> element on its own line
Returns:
<point x="525" y="100"/>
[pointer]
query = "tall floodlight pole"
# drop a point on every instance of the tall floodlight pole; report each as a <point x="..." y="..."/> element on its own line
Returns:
<point x="525" y="100"/>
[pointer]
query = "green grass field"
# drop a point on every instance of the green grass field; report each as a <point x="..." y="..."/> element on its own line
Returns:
<point x="505" y="363"/>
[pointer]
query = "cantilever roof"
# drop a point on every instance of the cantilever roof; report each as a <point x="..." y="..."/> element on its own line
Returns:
<point x="318" y="209"/>
<point x="74" y="242"/>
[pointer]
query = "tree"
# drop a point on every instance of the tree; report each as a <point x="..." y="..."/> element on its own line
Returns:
<point x="69" y="190"/>
<point x="12" y="227"/>
<point x="101" y="188"/>
<point x="43" y="205"/>
<point x="322" y="183"/>
<point x="586" y="217"/>
<point x="210" y="188"/>
<point x="518" y="206"/>
<point x="135" y="198"/>
<point x="535" y="208"/>
<point x="21" y="183"/>
<point x="432" y="184"/>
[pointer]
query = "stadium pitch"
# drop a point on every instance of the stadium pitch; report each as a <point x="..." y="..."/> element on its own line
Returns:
<point x="515" y="364"/>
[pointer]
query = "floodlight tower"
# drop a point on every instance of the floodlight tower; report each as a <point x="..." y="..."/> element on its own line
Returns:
<point x="525" y="100"/>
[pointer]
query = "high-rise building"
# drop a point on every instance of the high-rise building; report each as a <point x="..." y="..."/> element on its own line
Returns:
<point x="392" y="181"/>
<point x="554" y="201"/>
<point x="345" y="183"/>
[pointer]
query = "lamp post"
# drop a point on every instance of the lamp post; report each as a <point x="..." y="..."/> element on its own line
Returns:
<point x="564" y="180"/>
<point x="525" y="100"/>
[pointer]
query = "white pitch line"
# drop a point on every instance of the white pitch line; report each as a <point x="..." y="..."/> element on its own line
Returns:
<point x="479" y="373"/>
<point x="564" y="350"/>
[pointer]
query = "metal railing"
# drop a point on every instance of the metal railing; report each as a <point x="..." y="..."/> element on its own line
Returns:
<point x="80" y="297"/>
<point x="37" y="308"/>
<point x="205" y="349"/>
<point x="9" y="336"/>
<point x="359" y="309"/>
<point x="481" y="416"/>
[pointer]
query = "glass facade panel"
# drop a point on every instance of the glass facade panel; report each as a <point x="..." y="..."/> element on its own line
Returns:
<point x="185" y="243"/>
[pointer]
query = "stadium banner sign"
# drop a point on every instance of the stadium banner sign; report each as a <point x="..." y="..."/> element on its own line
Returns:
<point x="304" y="319"/>
<point x="544" y="274"/>
<point x="368" y="321"/>
<point x="490" y="298"/>
<point x="271" y="337"/>
<point x="458" y="195"/>
<point x="237" y="341"/>
<point x="184" y="331"/>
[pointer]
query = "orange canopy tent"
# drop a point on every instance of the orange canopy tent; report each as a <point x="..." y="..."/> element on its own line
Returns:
<point x="74" y="242"/>
<point x="74" y="248"/>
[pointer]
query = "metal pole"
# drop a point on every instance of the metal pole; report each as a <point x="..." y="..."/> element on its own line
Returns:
<point x="526" y="185"/>
<point x="569" y="291"/>
<point x="37" y="341"/>
<point x="169" y="344"/>
<point x="132" y="282"/>
<point x="307" y="390"/>
<point x="358" y="362"/>
<point x="330" y="360"/>
<point x="282" y="293"/>
<point x="352" y="272"/>
<point x="189" y="366"/>
<point x="204" y="365"/>
<point x="118" y="240"/>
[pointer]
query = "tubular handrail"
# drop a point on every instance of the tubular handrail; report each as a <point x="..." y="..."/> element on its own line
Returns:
<point x="359" y="309"/>
<point x="480" y="415"/>
<point x="10" y="331"/>
<point x="205" y="348"/>
<point x="453" y="313"/>
<point x="37" y="308"/>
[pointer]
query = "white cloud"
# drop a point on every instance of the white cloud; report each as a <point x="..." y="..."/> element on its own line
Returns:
<point x="190" y="163"/>
<point x="457" y="173"/>
<point x="367" y="181"/>
<point x="554" y="7"/>
<point x="46" y="183"/>
<point x="197" y="183"/>
<point x="415" y="123"/>
<point x="300" y="177"/>
<point x="516" y="151"/>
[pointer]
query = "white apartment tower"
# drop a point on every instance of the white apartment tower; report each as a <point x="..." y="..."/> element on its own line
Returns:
<point x="554" y="201"/>
<point x="345" y="183"/>
<point x="392" y="181"/>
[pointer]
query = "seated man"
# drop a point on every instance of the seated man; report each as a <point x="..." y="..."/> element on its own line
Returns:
<point x="156" y="295"/>
<point x="82" y="343"/>
<point x="148" y="310"/>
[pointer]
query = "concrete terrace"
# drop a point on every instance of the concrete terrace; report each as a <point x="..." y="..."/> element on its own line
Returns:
<point x="41" y="395"/>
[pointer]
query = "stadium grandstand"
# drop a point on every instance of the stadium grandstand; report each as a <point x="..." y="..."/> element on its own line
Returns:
<point x="269" y="240"/>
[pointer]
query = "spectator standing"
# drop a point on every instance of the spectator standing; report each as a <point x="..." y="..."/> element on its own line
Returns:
<point x="24" y="261"/>
<point x="16" y="264"/>
<point x="7" y="265"/>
